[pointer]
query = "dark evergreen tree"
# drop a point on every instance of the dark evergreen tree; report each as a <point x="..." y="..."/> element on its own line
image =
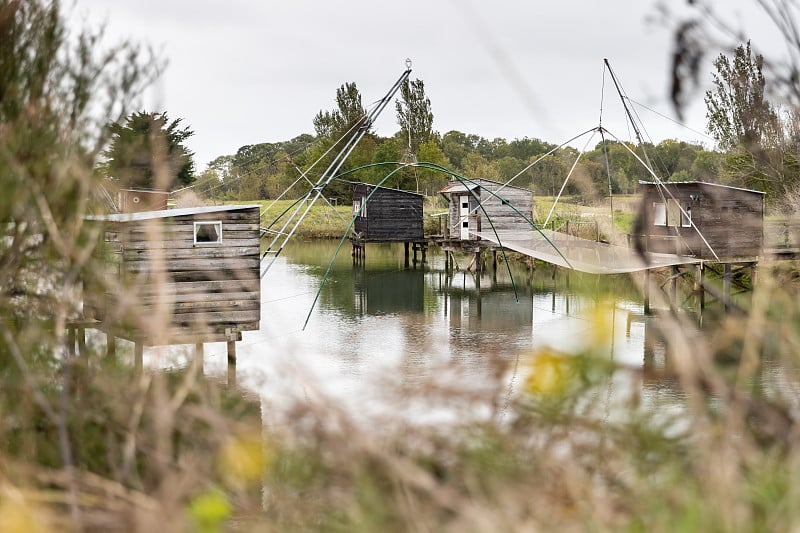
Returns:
<point x="148" y="152"/>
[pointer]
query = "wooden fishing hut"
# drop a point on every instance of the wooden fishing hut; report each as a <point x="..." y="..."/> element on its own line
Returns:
<point x="383" y="214"/>
<point x="715" y="223"/>
<point x="473" y="204"/>
<point x="703" y="220"/>
<point x="179" y="276"/>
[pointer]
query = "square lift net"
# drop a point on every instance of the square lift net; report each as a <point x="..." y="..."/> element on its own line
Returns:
<point x="581" y="254"/>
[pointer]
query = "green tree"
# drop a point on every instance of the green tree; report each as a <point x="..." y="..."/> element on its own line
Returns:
<point x="738" y="113"/>
<point x="671" y="156"/>
<point x="148" y="152"/>
<point x="223" y="171"/>
<point x="349" y="112"/>
<point x="456" y="145"/>
<point x="431" y="181"/>
<point x="414" y="115"/>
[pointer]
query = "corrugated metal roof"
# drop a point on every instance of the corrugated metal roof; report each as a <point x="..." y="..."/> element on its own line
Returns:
<point x="459" y="187"/>
<point x="371" y="186"/>
<point x="171" y="213"/>
<point x="489" y="185"/>
<point x="666" y="183"/>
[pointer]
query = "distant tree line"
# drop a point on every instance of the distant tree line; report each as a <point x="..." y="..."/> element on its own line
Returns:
<point x="268" y="170"/>
<point x="757" y="148"/>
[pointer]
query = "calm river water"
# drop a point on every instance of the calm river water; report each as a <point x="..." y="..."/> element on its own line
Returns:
<point x="381" y="332"/>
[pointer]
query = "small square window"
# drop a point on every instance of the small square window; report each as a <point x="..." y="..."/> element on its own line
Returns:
<point x="686" y="216"/>
<point x="208" y="232"/>
<point x="659" y="214"/>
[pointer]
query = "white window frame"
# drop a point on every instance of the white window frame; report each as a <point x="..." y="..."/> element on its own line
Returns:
<point x="360" y="203"/>
<point x="659" y="214"/>
<point x="217" y="226"/>
<point x="686" y="216"/>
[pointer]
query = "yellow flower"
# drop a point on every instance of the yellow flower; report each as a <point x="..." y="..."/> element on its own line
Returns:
<point x="243" y="459"/>
<point x="601" y="328"/>
<point x="18" y="516"/>
<point x="549" y="372"/>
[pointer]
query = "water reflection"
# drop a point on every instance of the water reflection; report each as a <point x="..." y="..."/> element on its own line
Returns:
<point x="380" y="330"/>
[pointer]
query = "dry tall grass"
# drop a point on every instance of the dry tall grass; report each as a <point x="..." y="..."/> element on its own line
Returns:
<point x="88" y="444"/>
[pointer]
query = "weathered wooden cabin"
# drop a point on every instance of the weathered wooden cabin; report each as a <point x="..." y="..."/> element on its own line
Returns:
<point x="386" y="215"/>
<point x="390" y="215"/>
<point x="473" y="203"/>
<point x="693" y="218"/>
<point x="179" y="276"/>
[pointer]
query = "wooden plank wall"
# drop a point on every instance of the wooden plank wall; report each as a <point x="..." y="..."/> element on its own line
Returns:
<point x="392" y="215"/>
<point x="502" y="211"/>
<point x="730" y="220"/>
<point x="198" y="291"/>
<point x="503" y="216"/>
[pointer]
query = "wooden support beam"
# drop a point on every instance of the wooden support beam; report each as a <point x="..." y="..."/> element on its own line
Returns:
<point x="199" y="356"/>
<point x="231" y="375"/>
<point x="699" y="286"/>
<point x="71" y="341"/>
<point x="232" y="352"/>
<point x="81" y="340"/>
<point x="138" y="355"/>
<point x="111" y="344"/>
<point x="726" y="286"/>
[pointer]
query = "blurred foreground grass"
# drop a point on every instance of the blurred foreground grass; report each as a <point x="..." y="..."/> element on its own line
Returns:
<point x="89" y="444"/>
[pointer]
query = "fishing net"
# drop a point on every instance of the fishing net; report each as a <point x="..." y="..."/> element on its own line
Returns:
<point x="582" y="254"/>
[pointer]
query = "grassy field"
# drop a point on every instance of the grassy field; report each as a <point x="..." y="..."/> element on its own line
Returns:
<point x="326" y="221"/>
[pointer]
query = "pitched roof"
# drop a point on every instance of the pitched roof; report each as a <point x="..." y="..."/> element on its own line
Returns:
<point x="171" y="213"/>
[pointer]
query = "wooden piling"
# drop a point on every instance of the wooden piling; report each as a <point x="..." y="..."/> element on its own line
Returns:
<point x="673" y="286"/>
<point x="232" y="353"/>
<point x="726" y="285"/>
<point x="138" y="355"/>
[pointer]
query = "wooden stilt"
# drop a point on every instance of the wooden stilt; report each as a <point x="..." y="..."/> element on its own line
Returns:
<point x="138" y="356"/>
<point x="673" y="286"/>
<point x="81" y="341"/>
<point x="231" y="375"/>
<point x="71" y="341"/>
<point x="111" y="344"/>
<point x="231" y="352"/>
<point x="478" y="261"/>
<point x="647" y="291"/>
<point x="199" y="356"/>
<point x="697" y="287"/>
<point x="405" y="253"/>
<point x="726" y="285"/>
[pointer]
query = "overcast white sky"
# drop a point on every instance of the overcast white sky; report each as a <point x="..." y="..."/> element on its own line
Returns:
<point x="246" y="71"/>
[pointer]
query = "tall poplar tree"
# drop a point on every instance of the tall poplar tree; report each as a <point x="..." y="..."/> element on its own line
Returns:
<point x="738" y="113"/>
<point x="414" y="115"/>
<point x="349" y="112"/>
